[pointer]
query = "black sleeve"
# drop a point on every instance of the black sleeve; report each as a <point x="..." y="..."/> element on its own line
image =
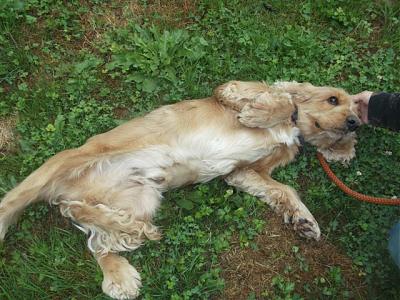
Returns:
<point x="384" y="110"/>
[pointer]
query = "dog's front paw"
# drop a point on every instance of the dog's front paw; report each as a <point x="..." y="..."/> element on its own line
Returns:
<point x="341" y="151"/>
<point x="307" y="228"/>
<point x="338" y="156"/>
<point x="122" y="282"/>
<point x="305" y="224"/>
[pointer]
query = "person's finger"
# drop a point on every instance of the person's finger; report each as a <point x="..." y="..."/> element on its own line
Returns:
<point x="355" y="98"/>
<point x="364" y="114"/>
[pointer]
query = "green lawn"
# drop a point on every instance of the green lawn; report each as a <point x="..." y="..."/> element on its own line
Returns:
<point x="71" y="69"/>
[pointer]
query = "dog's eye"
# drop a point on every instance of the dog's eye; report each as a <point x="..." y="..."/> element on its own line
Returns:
<point x="333" y="100"/>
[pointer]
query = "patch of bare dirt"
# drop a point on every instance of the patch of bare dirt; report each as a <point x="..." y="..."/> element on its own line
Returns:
<point x="7" y="134"/>
<point x="121" y="112"/>
<point x="116" y="14"/>
<point x="175" y="13"/>
<point x="282" y="253"/>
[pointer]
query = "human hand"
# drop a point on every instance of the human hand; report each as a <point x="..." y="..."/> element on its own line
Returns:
<point x="362" y="101"/>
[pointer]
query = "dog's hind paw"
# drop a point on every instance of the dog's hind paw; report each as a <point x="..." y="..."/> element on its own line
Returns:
<point x="122" y="282"/>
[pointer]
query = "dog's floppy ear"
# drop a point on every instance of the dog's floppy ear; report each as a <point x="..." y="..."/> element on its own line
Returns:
<point x="256" y="103"/>
<point x="236" y="94"/>
<point x="300" y="92"/>
<point x="342" y="151"/>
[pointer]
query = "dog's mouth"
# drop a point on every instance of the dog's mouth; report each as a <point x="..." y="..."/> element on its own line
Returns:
<point x="335" y="130"/>
<point x="321" y="132"/>
<point x="332" y="134"/>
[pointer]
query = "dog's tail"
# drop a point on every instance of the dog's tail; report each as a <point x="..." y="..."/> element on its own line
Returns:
<point x="36" y="186"/>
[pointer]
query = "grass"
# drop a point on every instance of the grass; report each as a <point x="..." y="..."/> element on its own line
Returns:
<point x="69" y="68"/>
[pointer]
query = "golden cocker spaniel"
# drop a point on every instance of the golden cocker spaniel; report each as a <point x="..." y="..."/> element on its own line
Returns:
<point x="111" y="186"/>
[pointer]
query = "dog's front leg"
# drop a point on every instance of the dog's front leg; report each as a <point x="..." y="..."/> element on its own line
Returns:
<point x="282" y="198"/>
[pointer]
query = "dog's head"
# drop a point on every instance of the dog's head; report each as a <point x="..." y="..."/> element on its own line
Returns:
<point x="327" y="118"/>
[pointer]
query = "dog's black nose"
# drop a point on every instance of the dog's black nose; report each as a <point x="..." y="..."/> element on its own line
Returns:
<point x="352" y="123"/>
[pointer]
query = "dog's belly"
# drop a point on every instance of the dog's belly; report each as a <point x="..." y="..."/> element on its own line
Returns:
<point x="197" y="157"/>
<point x="196" y="171"/>
<point x="172" y="166"/>
<point x="207" y="154"/>
<point x="199" y="160"/>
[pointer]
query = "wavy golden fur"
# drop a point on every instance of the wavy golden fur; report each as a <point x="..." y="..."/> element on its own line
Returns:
<point x="111" y="186"/>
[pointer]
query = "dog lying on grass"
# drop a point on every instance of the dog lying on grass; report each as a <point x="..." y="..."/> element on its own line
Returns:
<point x="111" y="186"/>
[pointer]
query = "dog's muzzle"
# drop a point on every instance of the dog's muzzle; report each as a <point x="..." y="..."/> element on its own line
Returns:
<point x="352" y="123"/>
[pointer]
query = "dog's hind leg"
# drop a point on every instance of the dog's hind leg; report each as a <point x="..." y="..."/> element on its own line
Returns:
<point x="111" y="231"/>
<point x="110" y="228"/>
<point x="114" y="225"/>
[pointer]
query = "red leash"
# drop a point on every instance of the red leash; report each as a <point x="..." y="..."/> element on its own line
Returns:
<point x="350" y="192"/>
